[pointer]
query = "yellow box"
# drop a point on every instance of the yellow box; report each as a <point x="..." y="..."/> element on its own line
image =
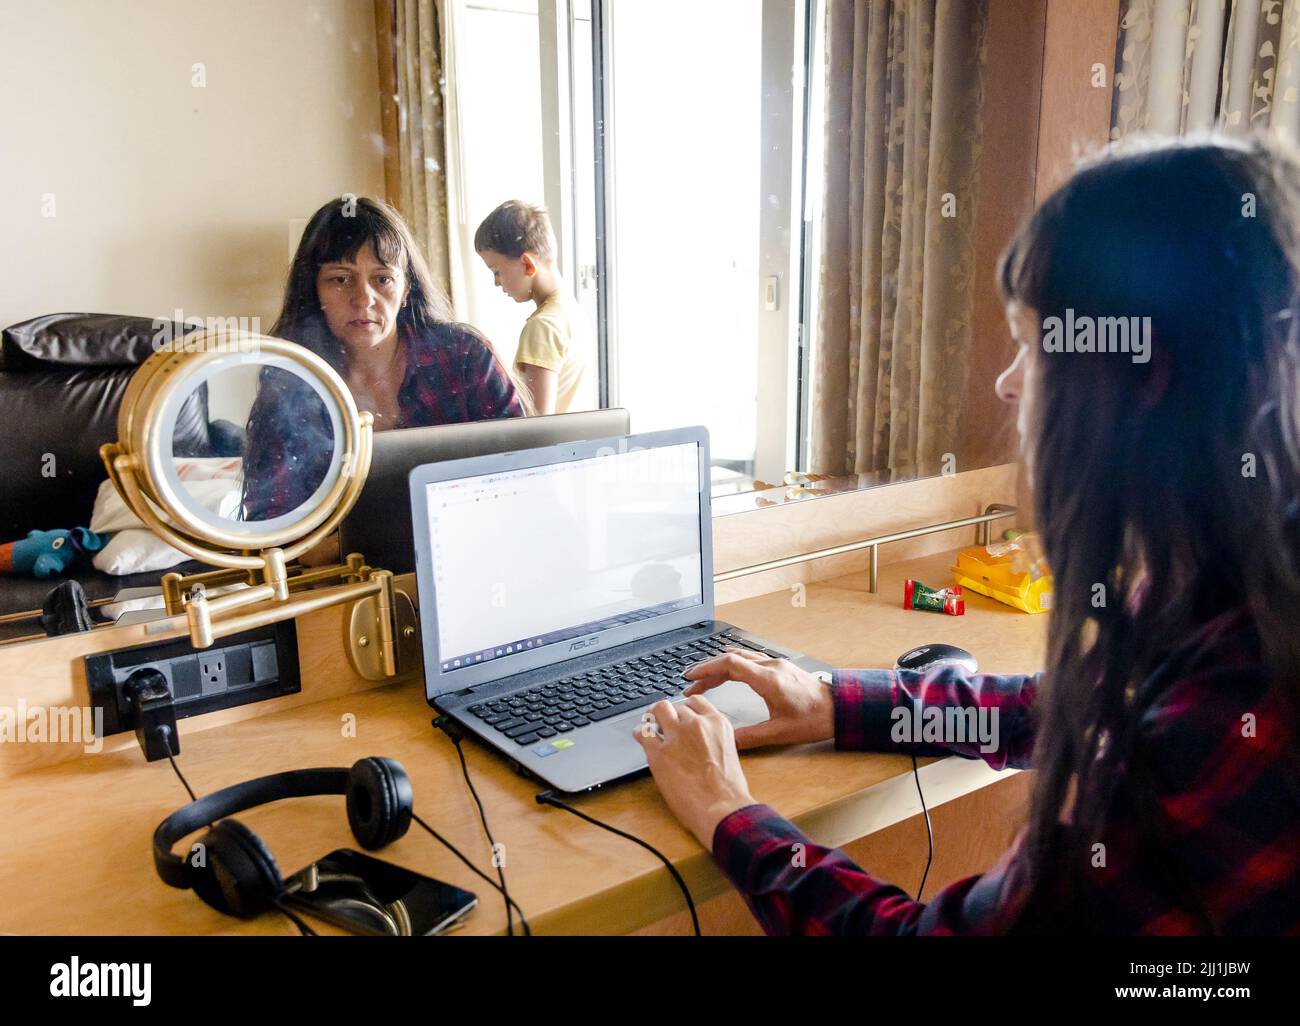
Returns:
<point x="997" y="577"/>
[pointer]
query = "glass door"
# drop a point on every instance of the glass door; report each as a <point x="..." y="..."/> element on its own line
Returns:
<point x="700" y="120"/>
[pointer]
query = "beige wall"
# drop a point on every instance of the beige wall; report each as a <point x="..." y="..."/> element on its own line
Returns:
<point x="166" y="195"/>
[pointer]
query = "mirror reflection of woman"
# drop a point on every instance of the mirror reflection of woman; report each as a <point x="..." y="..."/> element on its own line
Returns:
<point x="360" y="295"/>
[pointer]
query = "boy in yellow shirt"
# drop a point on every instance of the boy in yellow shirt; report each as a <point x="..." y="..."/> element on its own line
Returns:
<point x="517" y="243"/>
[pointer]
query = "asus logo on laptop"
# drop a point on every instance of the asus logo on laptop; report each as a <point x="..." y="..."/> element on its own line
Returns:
<point x="584" y="643"/>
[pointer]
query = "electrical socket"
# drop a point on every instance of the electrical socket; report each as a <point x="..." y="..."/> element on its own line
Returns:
<point x="212" y="671"/>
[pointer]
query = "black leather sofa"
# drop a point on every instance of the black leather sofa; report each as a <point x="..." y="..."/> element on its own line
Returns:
<point x="61" y="382"/>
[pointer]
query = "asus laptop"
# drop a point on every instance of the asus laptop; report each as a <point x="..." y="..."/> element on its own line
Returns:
<point x="564" y="590"/>
<point x="379" y="524"/>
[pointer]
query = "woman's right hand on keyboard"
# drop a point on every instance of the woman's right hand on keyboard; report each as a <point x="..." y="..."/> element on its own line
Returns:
<point x="799" y="704"/>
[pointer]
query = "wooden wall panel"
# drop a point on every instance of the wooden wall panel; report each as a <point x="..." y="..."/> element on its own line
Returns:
<point x="1012" y="98"/>
<point x="1075" y="116"/>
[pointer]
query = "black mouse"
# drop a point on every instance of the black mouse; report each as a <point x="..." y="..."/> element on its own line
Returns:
<point x="937" y="654"/>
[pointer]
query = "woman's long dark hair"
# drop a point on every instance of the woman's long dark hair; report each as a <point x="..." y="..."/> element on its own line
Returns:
<point x="338" y="231"/>
<point x="283" y="426"/>
<point x="1173" y="484"/>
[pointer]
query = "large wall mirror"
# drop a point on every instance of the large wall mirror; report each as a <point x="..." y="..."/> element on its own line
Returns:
<point x="776" y="218"/>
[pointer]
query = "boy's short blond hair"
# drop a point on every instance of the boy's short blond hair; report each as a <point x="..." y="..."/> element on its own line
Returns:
<point x="516" y="228"/>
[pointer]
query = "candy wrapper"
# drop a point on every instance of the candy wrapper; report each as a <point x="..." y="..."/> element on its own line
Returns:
<point x="944" y="600"/>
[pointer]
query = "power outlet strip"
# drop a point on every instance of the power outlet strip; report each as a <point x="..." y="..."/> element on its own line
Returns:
<point x="244" y="668"/>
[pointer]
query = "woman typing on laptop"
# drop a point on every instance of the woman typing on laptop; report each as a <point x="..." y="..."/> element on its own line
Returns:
<point x="1166" y="725"/>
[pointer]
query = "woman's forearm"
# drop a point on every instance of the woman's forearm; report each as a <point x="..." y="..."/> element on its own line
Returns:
<point x="940" y="711"/>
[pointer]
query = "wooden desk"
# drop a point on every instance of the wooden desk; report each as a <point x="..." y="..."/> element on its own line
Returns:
<point x="75" y="843"/>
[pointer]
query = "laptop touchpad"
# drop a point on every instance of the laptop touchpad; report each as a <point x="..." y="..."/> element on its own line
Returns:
<point x="736" y="701"/>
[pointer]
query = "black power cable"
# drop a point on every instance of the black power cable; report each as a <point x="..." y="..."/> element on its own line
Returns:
<point x="475" y="870"/>
<point x="307" y="931"/>
<point x="929" y="830"/>
<point x="448" y="727"/>
<point x="303" y="928"/>
<point x="184" y="783"/>
<point x="549" y="798"/>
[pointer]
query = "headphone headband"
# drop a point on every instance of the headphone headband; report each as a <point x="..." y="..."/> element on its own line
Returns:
<point x="210" y="808"/>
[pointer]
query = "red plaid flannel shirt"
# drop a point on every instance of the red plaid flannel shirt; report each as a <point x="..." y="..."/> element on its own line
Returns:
<point x="1215" y="739"/>
<point x="454" y="378"/>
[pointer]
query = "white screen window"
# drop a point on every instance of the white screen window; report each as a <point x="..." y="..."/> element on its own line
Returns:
<point x="527" y="558"/>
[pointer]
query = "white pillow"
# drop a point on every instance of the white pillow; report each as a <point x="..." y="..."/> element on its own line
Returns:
<point x="134" y="549"/>
<point x="212" y="480"/>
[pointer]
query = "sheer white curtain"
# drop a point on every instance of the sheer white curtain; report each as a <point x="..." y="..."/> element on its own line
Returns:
<point x="1194" y="65"/>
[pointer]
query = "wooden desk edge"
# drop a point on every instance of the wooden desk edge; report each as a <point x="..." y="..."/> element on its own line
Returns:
<point x="652" y="896"/>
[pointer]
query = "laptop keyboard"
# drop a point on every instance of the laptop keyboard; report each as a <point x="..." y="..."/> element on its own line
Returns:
<point x="547" y="710"/>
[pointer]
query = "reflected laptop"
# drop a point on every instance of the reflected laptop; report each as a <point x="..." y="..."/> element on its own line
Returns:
<point x="564" y="590"/>
<point x="379" y="525"/>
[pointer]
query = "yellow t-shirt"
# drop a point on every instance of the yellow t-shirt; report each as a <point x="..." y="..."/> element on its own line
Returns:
<point x="556" y="337"/>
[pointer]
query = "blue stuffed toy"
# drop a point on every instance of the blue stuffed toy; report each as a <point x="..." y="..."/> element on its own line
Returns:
<point x="45" y="554"/>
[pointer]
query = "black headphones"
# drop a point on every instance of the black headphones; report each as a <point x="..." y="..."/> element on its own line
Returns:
<point x="238" y="874"/>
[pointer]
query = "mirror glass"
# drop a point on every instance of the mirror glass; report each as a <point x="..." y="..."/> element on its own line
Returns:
<point x="704" y="263"/>
<point x="254" y="444"/>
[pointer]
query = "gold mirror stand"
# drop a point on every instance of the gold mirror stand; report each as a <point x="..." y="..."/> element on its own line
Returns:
<point x="380" y="629"/>
<point x="381" y="632"/>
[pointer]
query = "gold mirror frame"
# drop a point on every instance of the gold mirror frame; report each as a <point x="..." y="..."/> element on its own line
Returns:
<point x="137" y="465"/>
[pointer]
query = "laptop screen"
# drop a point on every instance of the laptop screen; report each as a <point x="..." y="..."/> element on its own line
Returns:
<point x="536" y="557"/>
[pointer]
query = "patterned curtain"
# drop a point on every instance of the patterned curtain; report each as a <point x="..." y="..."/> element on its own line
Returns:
<point x="415" y="146"/>
<point x="903" y="141"/>
<point x="1193" y="65"/>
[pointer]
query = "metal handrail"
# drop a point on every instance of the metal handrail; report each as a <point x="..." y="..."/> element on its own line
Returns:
<point x="35" y="614"/>
<point x="993" y="511"/>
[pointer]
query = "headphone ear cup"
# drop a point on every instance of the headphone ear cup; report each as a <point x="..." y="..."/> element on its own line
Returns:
<point x="379" y="802"/>
<point x="199" y="875"/>
<point x="241" y="877"/>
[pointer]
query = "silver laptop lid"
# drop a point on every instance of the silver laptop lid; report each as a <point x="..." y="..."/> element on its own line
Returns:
<point x="527" y="559"/>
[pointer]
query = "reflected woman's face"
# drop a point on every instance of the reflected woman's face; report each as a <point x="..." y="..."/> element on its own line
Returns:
<point x="361" y="299"/>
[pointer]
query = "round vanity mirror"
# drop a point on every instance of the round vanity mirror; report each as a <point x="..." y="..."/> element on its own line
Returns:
<point x="240" y="442"/>
<point x="245" y="452"/>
